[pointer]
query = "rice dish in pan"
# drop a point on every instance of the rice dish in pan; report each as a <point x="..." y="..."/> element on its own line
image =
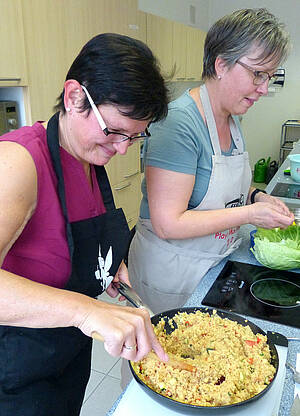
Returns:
<point x="231" y="363"/>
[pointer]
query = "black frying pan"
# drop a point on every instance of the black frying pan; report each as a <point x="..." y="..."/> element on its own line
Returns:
<point x="184" y="407"/>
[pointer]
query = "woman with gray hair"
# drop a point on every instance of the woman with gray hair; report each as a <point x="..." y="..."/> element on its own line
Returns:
<point x="197" y="192"/>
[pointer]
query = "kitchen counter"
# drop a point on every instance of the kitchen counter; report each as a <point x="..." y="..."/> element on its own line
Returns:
<point x="244" y="255"/>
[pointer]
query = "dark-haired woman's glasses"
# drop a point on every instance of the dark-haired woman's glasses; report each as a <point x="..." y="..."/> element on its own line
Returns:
<point x="118" y="136"/>
<point x="259" y="76"/>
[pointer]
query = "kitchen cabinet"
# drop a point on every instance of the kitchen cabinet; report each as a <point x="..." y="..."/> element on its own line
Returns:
<point x="188" y="44"/>
<point x="123" y="17"/>
<point x="59" y="31"/>
<point x="45" y="34"/>
<point x="127" y="195"/>
<point x="13" y="71"/>
<point x="125" y="177"/>
<point x="100" y="16"/>
<point x="177" y="46"/>
<point x="160" y="40"/>
<point x="179" y="51"/>
<point x="195" y="39"/>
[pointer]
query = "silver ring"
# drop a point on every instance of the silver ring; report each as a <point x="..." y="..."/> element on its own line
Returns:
<point x="129" y="347"/>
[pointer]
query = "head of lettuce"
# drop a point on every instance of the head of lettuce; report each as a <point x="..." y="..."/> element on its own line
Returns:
<point x="278" y="249"/>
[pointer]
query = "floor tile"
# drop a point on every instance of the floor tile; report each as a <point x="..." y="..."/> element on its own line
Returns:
<point x="116" y="369"/>
<point x="101" y="360"/>
<point x="102" y="399"/>
<point x="95" y="379"/>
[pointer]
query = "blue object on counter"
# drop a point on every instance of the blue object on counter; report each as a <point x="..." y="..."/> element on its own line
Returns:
<point x="295" y="166"/>
<point x="252" y="235"/>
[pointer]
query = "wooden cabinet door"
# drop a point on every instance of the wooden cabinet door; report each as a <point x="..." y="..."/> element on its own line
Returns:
<point x="56" y="30"/>
<point x="60" y="29"/>
<point x="160" y="41"/>
<point x="194" y="56"/>
<point x="179" y="50"/>
<point x="12" y="49"/>
<point x="127" y="195"/>
<point x="48" y="61"/>
<point x="125" y="177"/>
<point x="123" y="167"/>
<point x="123" y="16"/>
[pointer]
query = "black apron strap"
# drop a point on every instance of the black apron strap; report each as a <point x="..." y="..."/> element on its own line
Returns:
<point x="102" y="179"/>
<point x="53" y="144"/>
<point x="105" y="188"/>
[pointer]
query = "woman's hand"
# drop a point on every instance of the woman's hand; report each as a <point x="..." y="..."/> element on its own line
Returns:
<point x="269" y="212"/>
<point x="262" y="197"/>
<point x="122" y="326"/>
<point x="121" y="275"/>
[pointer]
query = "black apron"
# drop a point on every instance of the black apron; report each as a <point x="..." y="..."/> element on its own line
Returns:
<point x="44" y="372"/>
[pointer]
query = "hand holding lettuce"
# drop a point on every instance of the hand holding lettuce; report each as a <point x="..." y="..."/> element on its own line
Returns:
<point x="278" y="248"/>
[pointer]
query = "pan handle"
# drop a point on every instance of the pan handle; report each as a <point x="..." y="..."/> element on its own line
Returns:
<point x="96" y="335"/>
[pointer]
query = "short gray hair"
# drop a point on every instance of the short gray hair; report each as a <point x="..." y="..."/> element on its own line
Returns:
<point x="234" y="35"/>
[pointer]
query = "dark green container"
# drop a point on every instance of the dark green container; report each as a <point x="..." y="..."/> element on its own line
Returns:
<point x="260" y="170"/>
<point x="271" y="170"/>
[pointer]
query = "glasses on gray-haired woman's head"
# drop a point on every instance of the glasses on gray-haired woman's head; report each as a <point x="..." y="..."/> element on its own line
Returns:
<point x="259" y="76"/>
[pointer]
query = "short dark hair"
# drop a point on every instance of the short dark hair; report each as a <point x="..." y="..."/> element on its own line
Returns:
<point x="234" y="35"/>
<point x="121" y="71"/>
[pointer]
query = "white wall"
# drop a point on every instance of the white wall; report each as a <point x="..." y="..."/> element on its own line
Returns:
<point x="262" y="123"/>
<point x="179" y="10"/>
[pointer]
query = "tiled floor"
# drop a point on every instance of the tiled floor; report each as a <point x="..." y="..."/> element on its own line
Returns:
<point x="104" y="386"/>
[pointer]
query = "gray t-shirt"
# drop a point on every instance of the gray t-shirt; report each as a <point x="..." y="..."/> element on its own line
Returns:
<point x="181" y="143"/>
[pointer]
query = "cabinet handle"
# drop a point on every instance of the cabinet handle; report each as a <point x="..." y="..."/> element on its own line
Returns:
<point x="123" y="187"/>
<point x="10" y="79"/>
<point x="180" y="79"/>
<point x="131" y="174"/>
<point x="191" y="79"/>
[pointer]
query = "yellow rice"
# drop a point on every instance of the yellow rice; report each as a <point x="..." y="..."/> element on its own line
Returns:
<point x="232" y="364"/>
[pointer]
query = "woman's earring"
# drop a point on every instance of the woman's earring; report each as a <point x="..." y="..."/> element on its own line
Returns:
<point x="68" y="109"/>
<point x="219" y="77"/>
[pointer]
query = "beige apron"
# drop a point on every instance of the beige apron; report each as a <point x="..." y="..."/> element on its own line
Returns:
<point x="166" y="272"/>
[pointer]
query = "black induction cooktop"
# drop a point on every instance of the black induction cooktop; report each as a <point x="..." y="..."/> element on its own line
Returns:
<point x="286" y="190"/>
<point x="247" y="289"/>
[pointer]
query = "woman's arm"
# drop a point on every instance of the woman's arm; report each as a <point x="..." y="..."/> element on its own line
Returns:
<point x="31" y="304"/>
<point x="168" y="196"/>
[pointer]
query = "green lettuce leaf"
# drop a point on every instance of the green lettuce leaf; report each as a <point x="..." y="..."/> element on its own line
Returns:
<point x="278" y="249"/>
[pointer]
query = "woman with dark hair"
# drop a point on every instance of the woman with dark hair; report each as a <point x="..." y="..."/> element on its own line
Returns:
<point x="196" y="192"/>
<point x="62" y="241"/>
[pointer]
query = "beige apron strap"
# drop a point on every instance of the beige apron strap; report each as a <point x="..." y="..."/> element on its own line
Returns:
<point x="212" y="128"/>
<point x="210" y="120"/>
